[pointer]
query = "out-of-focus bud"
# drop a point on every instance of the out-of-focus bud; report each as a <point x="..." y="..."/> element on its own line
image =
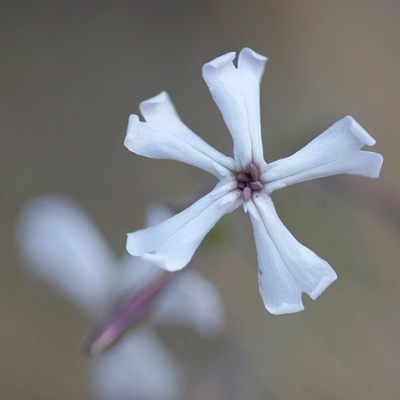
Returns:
<point x="124" y="315"/>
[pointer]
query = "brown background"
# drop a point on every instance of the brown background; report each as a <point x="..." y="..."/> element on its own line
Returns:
<point x="70" y="74"/>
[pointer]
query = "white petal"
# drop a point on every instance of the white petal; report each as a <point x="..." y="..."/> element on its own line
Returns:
<point x="286" y="267"/>
<point x="133" y="272"/>
<point x="236" y="91"/>
<point x="190" y="299"/>
<point x="165" y="136"/>
<point x="171" y="244"/>
<point x="336" y="151"/>
<point x="137" y="367"/>
<point x="58" y="241"/>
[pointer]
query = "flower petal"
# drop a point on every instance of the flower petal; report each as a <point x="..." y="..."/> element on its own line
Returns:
<point x="190" y="299"/>
<point x="134" y="273"/>
<point x="138" y="367"/>
<point x="336" y="151"/>
<point x="171" y="244"/>
<point x="58" y="241"/>
<point x="236" y="91"/>
<point x="286" y="267"/>
<point x="165" y="136"/>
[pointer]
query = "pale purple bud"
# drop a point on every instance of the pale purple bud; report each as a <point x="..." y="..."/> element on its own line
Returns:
<point x="129" y="311"/>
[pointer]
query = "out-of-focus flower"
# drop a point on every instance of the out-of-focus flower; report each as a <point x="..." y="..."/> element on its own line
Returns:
<point x="58" y="242"/>
<point x="286" y="267"/>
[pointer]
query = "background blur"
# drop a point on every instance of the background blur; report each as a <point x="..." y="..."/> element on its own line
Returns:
<point x="71" y="72"/>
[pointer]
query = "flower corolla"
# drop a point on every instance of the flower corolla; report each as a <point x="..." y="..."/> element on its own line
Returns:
<point x="286" y="268"/>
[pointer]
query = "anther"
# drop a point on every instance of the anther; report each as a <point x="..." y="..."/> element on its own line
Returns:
<point x="257" y="186"/>
<point x="242" y="177"/>
<point x="253" y="171"/>
<point x="248" y="182"/>
<point x="246" y="194"/>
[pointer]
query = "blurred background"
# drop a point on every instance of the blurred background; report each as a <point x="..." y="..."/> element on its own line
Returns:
<point x="71" y="72"/>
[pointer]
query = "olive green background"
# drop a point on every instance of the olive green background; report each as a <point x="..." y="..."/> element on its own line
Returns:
<point x="71" y="73"/>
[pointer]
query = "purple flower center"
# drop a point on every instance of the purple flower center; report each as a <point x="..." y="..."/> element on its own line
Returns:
<point x="248" y="182"/>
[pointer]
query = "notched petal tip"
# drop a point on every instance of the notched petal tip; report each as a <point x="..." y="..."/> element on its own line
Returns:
<point x="133" y="126"/>
<point x="285" y="308"/>
<point x="159" y="104"/>
<point x="323" y="284"/>
<point x="246" y="51"/>
<point x="161" y="262"/>
<point x="252" y="63"/>
<point x="131" y="246"/>
<point x="359" y="131"/>
<point x="219" y="62"/>
<point x="158" y="98"/>
<point x="375" y="161"/>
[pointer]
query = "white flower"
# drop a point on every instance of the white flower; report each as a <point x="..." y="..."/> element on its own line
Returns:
<point x="58" y="242"/>
<point x="286" y="268"/>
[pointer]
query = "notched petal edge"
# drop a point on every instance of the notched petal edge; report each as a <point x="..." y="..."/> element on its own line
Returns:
<point x="160" y="104"/>
<point x="359" y="131"/>
<point x="219" y="62"/>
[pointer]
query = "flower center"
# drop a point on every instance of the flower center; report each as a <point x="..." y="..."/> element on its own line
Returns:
<point x="248" y="182"/>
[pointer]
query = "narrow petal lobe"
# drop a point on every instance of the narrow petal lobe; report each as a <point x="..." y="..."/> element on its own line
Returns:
<point x="336" y="151"/>
<point x="171" y="244"/>
<point x="286" y="267"/>
<point x="236" y="91"/>
<point x="165" y="136"/>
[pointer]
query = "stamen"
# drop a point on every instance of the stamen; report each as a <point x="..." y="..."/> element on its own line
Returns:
<point x="246" y="194"/>
<point x="249" y="182"/>
<point x="243" y="177"/>
<point x="257" y="186"/>
<point x="253" y="171"/>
